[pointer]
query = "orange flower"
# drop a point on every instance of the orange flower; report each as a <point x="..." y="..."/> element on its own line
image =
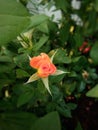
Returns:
<point x="46" y="69"/>
<point x="43" y="64"/>
<point x="36" y="61"/>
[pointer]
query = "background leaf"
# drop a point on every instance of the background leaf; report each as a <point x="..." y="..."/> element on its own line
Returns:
<point x="36" y="20"/>
<point x="78" y="126"/>
<point x="40" y="43"/>
<point x="60" y="57"/>
<point x="62" y="4"/>
<point x="16" y="120"/>
<point x="21" y="73"/>
<point x="25" y="97"/>
<point x="13" y="20"/>
<point x="94" y="52"/>
<point x="48" y="122"/>
<point x="93" y="92"/>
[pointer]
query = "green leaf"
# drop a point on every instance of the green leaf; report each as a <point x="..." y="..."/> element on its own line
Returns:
<point x="5" y="59"/>
<point x="93" y="92"/>
<point x="78" y="126"/>
<point x="21" y="73"/>
<point x="50" y="121"/>
<point x="5" y="105"/>
<point x="79" y="63"/>
<point x="25" y="97"/>
<point x="6" y="67"/>
<point x="64" y="32"/>
<point x="69" y="87"/>
<point x="57" y="78"/>
<point x="60" y="57"/>
<point x="71" y="106"/>
<point x="40" y="43"/>
<point x="13" y="20"/>
<point x="81" y="86"/>
<point x="16" y="121"/>
<point x="12" y="7"/>
<point x="78" y="39"/>
<point x="64" y="111"/>
<point x="36" y="20"/>
<point x="62" y="4"/>
<point x="22" y="61"/>
<point x="6" y="77"/>
<point x="96" y="5"/>
<point x="94" y="52"/>
<point x="43" y="27"/>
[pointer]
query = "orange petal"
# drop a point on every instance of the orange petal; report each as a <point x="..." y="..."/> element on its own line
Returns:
<point x="36" y="61"/>
<point x="46" y="69"/>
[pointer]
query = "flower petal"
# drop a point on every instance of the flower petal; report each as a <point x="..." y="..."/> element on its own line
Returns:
<point x="33" y="78"/>
<point x="45" y="82"/>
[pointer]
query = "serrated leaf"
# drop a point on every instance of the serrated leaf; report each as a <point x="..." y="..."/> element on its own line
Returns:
<point x="13" y="20"/>
<point x="93" y="92"/>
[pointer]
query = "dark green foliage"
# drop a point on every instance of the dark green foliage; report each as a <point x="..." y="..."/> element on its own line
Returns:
<point x="30" y="106"/>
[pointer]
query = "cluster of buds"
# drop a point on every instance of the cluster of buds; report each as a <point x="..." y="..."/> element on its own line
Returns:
<point x="84" y="48"/>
